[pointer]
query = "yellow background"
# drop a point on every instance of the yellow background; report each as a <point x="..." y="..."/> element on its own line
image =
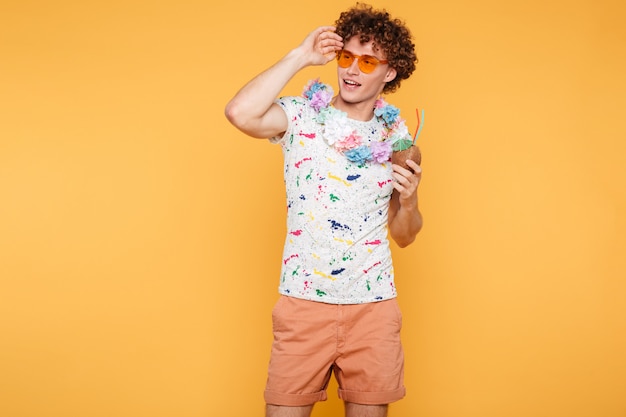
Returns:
<point x="141" y="234"/>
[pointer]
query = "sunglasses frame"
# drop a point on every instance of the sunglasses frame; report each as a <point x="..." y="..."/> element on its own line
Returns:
<point x="359" y="59"/>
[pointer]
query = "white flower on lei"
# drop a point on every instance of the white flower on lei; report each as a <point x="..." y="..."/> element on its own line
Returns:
<point x="399" y="132"/>
<point x="335" y="126"/>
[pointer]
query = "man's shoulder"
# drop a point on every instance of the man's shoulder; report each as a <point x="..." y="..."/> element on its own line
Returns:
<point x="292" y="101"/>
<point x="298" y="108"/>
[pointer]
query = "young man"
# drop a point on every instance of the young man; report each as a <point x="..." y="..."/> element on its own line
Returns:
<point x="338" y="312"/>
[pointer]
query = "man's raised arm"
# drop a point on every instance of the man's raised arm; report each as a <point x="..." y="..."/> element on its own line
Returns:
<point x="252" y="109"/>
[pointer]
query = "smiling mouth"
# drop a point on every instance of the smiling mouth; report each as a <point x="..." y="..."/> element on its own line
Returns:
<point x="351" y="83"/>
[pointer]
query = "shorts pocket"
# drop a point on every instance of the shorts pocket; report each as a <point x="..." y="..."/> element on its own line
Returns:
<point x="397" y="311"/>
<point x="278" y="314"/>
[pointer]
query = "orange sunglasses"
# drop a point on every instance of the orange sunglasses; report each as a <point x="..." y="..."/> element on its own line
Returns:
<point x="366" y="63"/>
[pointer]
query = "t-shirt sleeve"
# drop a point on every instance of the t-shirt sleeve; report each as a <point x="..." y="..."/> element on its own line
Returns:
<point x="292" y="106"/>
<point x="282" y="102"/>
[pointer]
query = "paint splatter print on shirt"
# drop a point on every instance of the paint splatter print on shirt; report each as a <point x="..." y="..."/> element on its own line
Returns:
<point x="336" y="248"/>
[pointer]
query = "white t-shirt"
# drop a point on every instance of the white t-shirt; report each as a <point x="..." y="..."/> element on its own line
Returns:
<point x="336" y="249"/>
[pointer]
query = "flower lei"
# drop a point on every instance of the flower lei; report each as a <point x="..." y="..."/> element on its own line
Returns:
<point x="338" y="134"/>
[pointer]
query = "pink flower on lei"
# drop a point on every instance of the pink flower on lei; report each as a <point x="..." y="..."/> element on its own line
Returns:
<point x="353" y="140"/>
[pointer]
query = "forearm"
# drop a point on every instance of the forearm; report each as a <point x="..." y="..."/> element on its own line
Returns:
<point x="406" y="223"/>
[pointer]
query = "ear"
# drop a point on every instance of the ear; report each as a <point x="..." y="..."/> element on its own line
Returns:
<point x="391" y="74"/>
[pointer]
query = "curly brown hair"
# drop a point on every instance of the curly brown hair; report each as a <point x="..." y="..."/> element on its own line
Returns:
<point x="389" y="35"/>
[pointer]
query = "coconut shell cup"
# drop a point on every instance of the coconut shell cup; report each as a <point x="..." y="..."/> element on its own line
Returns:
<point x="400" y="157"/>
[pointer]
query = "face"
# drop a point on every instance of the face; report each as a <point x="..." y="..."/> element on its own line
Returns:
<point x="356" y="86"/>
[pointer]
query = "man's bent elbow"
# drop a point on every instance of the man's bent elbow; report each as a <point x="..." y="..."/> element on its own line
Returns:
<point x="232" y="114"/>
<point x="240" y="120"/>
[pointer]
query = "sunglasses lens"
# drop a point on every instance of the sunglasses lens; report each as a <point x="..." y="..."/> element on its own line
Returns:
<point x="344" y="59"/>
<point x="367" y="63"/>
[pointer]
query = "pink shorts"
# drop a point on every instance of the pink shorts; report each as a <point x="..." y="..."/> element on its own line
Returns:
<point x="359" y="343"/>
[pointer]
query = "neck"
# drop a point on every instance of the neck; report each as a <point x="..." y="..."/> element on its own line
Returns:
<point x="363" y="110"/>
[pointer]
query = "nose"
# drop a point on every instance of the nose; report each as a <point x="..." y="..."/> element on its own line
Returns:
<point x="354" y="66"/>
